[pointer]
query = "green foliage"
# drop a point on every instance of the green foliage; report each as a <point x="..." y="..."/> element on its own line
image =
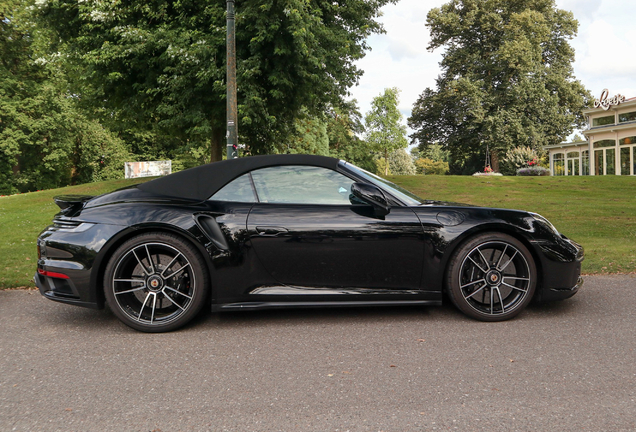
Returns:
<point x="382" y="168"/>
<point x="309" y="137"/>
<point x="44" y="141"/>
<point x="159" y="67"/>
<point x="506" y="80"/>
<point x="428" y="166"/>
<point x="344" y="127"/>
<point x="385" y="132"/>
<point x="516" y="158"/>
<point x="400" y="163"/>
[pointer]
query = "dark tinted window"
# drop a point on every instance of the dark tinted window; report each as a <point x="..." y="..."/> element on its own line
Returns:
<point x="239" y="190"/>
<point x="299" y="184"/>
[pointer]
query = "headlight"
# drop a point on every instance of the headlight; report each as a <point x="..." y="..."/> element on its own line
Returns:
<point x="546" y="222"/>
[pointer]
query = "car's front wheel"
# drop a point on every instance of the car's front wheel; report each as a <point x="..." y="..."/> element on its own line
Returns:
<point x="155" y="282"/>
<point x="492" y="277"/>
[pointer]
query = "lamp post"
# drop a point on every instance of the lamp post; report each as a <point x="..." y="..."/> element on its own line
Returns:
<point x="232" y="111"/>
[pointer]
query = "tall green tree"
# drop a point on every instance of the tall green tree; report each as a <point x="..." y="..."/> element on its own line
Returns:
<point x="385" y="131"/>
<point x="44" y="141"/>
<point x="506" y="80"/>
<point x="160" y="65"/>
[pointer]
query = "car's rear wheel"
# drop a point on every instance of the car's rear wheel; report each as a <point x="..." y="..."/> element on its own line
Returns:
<point x="492" y="277"/>
<point x="155" y="282"/>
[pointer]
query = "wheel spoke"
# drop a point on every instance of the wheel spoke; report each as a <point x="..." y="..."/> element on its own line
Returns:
<point x="509" y="261"/>
<point x="139" y="261"/>
<point x="516" y="278"/>
<point x="182" y="267"/>
<point x="169" y="265"/>
<point x="173" y="302"/>
<point x="143" y="306"/>
<point x="492" y="305"/>
<point x="483" y="258"/>
<point x="154" y="304"/>
<point x="478" y="266"/>
<point x="503" y="309"/>
<point x="152" y="266"/>
<point x="473" y="283"/>
<point x="500" y="257"/>
<point x="177" y="292"/>
<point x="131" y="290"/>
<point x="480" y="289"/>
<point x="129" y="280"/>
<point x="514" y="287"/>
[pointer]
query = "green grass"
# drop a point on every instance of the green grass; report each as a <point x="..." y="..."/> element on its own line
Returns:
<point x="598" y="212"/>
<point x="23" y="217"/>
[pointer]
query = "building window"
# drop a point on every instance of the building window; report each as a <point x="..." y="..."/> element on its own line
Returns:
<point x="627" y="141"/>
<point x="627" y="117"/>
<point x="625" y="161"/>
<point x="610" y="158"/>
<point x="572" y="163"/>
<point x="558" y="163"/>
<point x="602" y="121"/>
<point x="585" y="162"/>
<point x="598" y="162"/>
<point x="605" y="143"/>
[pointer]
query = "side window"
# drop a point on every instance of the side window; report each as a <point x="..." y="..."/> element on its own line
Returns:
<point x="297" y="184"/>
<point x="238" y="190"/>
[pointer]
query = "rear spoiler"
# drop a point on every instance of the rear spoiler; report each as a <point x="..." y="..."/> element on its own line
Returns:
<point x="71" y="202"/>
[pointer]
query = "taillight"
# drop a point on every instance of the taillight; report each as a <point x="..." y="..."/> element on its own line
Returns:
<point x="52" y="274"/>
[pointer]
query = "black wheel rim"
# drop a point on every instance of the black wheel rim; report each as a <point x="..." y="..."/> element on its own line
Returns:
<point x="495" y="278"/>
<point x="153" y="283"/>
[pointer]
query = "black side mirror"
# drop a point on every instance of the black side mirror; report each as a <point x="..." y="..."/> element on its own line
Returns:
<point x="373" y="195"/>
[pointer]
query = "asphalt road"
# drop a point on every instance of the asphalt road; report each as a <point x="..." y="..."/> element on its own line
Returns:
<point x="567" y="366"/>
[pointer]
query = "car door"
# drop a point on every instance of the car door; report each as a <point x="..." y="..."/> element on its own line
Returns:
<point x="308" y="234"/>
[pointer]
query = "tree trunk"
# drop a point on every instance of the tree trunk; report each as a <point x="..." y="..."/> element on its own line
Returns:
<point x="216" y="145"/>
<point x="386" y="160"/>
<point x="494" y="160"/>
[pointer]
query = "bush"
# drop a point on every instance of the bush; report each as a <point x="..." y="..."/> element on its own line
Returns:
<point x="516" y="158"/>
<point x="400" y="163"/>
<point x="431" y="167"/>
<point x="533" y="171"/>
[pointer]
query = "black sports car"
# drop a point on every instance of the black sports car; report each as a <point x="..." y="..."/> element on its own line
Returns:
<point x="294" y="231"/>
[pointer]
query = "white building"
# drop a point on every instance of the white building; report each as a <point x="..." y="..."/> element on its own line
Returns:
<point x="610" y="148"/>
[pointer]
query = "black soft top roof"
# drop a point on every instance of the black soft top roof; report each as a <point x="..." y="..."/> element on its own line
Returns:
<point x="202" y="182"/>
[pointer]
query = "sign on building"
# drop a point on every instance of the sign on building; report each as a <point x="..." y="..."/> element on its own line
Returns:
<point x="148" y="169"/>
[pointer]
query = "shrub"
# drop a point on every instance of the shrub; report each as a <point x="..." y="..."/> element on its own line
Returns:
<point x="533" y="171"/>
<point x="400" y="163"/>
<point x="516" y="158"/>
<point x="430" y="167"/>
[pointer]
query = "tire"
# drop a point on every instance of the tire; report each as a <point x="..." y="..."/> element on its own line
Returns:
<point x="491" y="277"/>
<point x="156" y="282"/>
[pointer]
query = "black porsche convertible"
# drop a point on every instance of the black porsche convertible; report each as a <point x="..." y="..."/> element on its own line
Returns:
<point x="287" y="231"/>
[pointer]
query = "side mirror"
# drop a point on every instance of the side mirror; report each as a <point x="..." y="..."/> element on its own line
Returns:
<point x="373" y="195"/>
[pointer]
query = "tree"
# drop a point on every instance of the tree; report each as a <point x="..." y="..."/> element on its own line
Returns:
<point x="385" y="132"/>
<point x="160" y="66"/>
<point x="44" y="141"/>
<point x="506" y="80"/>
<point x="400" y="163"/>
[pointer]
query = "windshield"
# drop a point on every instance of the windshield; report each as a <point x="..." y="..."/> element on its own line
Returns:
<point x="400" y="193"/>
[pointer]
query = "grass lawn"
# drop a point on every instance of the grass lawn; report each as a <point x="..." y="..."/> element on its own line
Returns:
<point x="598" y="212"/>
<point x="23" y="217"/>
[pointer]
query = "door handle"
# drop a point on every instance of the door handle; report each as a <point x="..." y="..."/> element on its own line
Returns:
<point x="270" y="230"/>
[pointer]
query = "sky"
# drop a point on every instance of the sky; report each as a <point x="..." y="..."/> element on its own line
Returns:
<point x="605" y="51"/>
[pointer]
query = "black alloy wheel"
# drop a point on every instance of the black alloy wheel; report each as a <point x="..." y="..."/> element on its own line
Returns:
<point x="156" y="282"/>
<point x="492" y="277"/>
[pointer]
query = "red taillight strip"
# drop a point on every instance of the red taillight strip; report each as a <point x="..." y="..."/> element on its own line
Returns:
<point x="52" y="274"/>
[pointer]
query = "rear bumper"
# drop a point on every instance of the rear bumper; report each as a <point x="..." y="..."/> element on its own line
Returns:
<point x="61" y="290"/>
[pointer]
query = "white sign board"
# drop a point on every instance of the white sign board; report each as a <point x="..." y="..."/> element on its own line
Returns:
<point x="148" y="169"/>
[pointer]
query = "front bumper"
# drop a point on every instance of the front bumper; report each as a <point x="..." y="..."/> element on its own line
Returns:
<point x="560" y="264"/>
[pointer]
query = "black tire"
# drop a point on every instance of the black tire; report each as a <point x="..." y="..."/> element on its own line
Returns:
<point x="156" y="282"/>
<point x="491" y="277"/>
